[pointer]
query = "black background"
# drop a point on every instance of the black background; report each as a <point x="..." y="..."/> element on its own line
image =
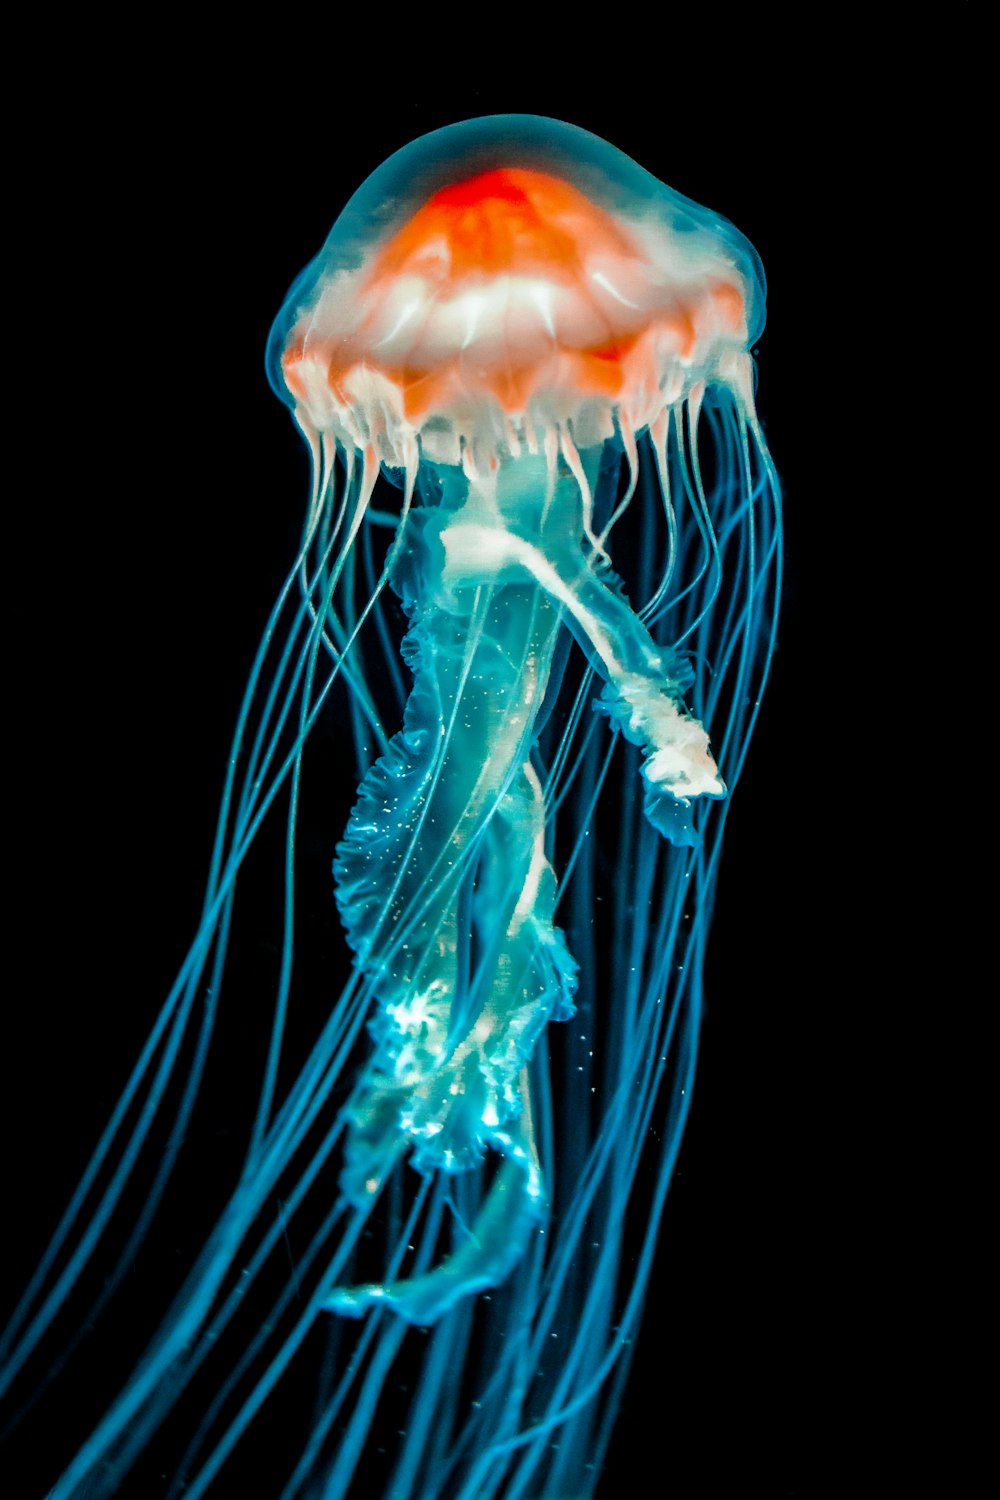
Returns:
<point x="158" y="507"/>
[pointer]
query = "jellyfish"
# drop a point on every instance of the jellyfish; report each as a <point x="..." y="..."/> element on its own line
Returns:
<point x="538" y="578"/>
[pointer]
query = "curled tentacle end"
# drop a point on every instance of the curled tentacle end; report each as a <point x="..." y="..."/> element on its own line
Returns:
<point x="515" y="1206"/>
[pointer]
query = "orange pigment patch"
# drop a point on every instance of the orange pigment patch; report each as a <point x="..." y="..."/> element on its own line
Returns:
<point x="290" y="361"/>
<point x="513" y="222"/>
<point x="600" y="370"/>
<point x="507" y="222"/>
<point x="424" y="392"/>
<point x="728" y="300"/>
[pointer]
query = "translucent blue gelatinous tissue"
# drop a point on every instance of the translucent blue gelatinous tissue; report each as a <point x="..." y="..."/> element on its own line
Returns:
<point x="547" y="352"/>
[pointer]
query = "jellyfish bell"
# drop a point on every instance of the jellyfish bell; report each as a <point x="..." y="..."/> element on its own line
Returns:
<point x="505" y="281"/>
<point x="547" y="351"/>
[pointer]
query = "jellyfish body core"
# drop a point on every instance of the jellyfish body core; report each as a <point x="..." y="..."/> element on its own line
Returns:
<point x="532" y="339"/>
